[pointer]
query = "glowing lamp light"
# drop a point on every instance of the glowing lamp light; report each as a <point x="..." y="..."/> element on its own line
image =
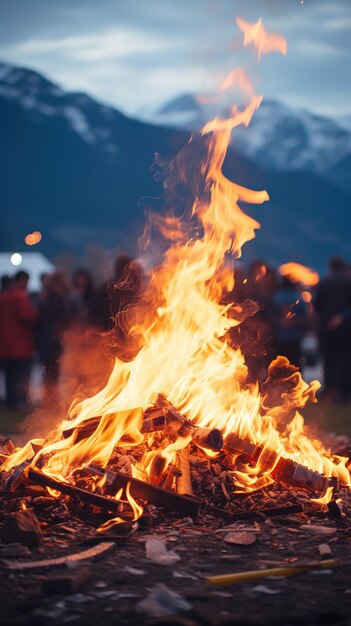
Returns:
<point x="33" y="238"/>
<point x="16" y="258"/>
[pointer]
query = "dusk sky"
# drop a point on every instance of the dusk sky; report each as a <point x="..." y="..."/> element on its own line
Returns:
<point x="137" y="54"/>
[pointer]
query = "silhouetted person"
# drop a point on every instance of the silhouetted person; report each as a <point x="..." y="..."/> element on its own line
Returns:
<point x="55" y="314"/>
<point x="44" y="279"/>
<point x="5" y="282"/>
<point x="82" y="293"/>
<point x="115" y="296"/>
<point x="332" y="303"/>
<point x="17" y="318"/>
<point x="290" y="316"/>
<point x="254" y="335"/>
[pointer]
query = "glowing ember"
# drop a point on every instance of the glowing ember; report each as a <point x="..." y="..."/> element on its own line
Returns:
<point x="180" y="329"/>
<point x="306" y="296"/>
<point x="300" y="274"/>
<point x="33" y="238"/>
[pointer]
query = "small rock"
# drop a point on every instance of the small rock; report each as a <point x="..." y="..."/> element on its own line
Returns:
<point x="162" y="601"/>
<point x="266" y="590"/>
<point x="156" y="551"/>
<point x="134" y="571"/>
<point x="316" y="529"/>
<point x="324" y="550"/>
<point x="15" y="550"/>
<point x="243" y="538"/>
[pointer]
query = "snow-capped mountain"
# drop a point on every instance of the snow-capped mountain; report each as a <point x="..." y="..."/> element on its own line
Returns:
<point x="43" y="98"/>
<point x="76" y="170"/>
<point x="72" y="167"/>
<point x="278" y="137"/>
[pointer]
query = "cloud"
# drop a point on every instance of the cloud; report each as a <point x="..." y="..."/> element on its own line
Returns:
<point x="114" y="43"/>
<point x="317" y="49"/>
<point x="134" y="53"/>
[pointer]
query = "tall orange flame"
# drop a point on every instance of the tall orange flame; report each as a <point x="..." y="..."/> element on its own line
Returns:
<point x="263" y="40"/>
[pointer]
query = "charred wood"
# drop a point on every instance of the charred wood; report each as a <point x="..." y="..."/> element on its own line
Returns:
<point x="22" y="527"/>
<point x="210" y="438"/>
<point x="183" y="481"/>
<point x="16" y="478"/>
<point x="62" y="561"/>
<point x="158" y="468"/>
<point x="297" y="475"/>
<point x="108" y="504"/>
<point x="83" y="430"/>
<point x="67" y="582"/>
<point x="334" y="510"/>
<point x="289" y="509"/>
<point x="154" y="420"/>
<point x="172" y="473"/>
<point x="177" y="424"/>
<point x="9" y="446"/>
<point x="168" y="500"/>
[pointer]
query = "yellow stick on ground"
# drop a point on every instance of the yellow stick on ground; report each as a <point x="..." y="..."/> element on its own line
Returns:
<point x="242" y="577"/>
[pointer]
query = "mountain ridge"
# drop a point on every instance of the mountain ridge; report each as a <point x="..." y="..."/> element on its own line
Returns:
<point x="61" y="176"/>
<point x="278" y="137"/>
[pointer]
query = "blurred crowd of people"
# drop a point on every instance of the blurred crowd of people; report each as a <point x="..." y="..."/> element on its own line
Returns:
<point x="288" y="313"/>
<point x="32" y="326"/>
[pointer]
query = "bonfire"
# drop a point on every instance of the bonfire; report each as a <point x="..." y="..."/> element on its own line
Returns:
<point x="178" y="425"/>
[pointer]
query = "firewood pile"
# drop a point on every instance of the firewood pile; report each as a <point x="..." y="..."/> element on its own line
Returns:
<point x="202" y="481"/>
<point x="194" y="527"/>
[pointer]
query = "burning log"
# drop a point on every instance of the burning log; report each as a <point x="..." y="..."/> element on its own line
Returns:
<point x="139" y="489"/>
<point x="183" y="481"/>
<point x="157" y="469"/>
<point x="108" y="504"/>
<point x="172" y="473"/>
<point x="300" y="476"/>
<point x="168" y="500"/>
<point x="9" y="446"/>
<point x="284" y="470"/>
<point x="210" y="438"/>
<point x="160" y="401"/>
<point x="161" y="475"/>
<point x="83" y="430"/>
<point x="177" y="424"/>
<point x="154" y="420"/>
<point x="16" y="478"/>
<point x="162" y="417"/>
<point x="235" y="445"/>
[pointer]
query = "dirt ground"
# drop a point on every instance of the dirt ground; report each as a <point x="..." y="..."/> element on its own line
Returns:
<point x="125" y="586"/>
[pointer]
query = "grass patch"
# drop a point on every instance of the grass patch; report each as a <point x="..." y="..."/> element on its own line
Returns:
<point x="330" y="416"/>
<point x="10" y="420"/>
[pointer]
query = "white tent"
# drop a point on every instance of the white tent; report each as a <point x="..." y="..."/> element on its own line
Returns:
<point x="35" y="263"/>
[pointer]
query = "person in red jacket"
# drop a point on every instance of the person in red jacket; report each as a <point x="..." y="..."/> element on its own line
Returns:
<point x="17" y="318"/>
